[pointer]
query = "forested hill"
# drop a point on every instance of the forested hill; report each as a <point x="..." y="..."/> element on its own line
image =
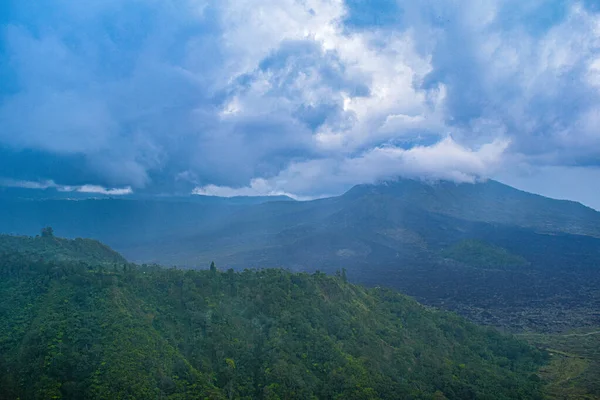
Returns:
<point x="483" y="250"/>
<point x="72" y="330"/>
<point x="51" y="248"/>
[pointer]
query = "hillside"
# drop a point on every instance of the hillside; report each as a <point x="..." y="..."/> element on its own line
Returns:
<point x="75" y="330"/>
<point x="493" y="253"/>
<point x="407" y="219"/>
<point x="491" y="202"/>
<point x="60" y="249"/>
<point x="574" y="365"/>
<point x="520" y="277"/>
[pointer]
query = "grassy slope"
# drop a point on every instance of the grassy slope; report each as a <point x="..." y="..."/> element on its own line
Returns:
<point x="574" y="367"/>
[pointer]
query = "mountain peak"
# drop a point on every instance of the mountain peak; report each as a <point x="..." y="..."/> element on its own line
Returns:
<point x="488" y="201"/>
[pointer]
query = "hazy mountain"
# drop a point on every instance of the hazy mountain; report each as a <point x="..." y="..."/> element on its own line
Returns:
<point x="405" y="221"/>
<point x="492" y="202"/>
<point x="72" y="329"/>
<point x="482" y="249"/>
<point x="523" y="273"/>
<point x="122" y="221"/>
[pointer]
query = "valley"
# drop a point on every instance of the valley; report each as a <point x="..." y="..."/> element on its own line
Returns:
<point x="497" y="255"/>
<point x="465" y="248"/>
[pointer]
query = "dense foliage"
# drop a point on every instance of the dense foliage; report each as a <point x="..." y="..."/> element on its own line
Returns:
<point x="72" y="329"/>
<point x="50" y="248"/>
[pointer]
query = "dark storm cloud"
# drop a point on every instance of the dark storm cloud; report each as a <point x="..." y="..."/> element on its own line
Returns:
<point x="304" y="97"/>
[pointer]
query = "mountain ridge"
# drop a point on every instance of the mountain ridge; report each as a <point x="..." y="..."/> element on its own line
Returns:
<point x="396" y="234"/>
<point x="587" y="219"/>
<point x="51" y="248"/>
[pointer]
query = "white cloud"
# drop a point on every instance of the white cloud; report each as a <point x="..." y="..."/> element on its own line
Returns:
<point x="386" y="62"/>
<point x="92" y="189"/>
<point x="446" y="160"/>
<point x="257" y="187"/>
<point x="280" y="96"/>
<point x="101" y="190"/>
<point x="255" y="28"/>
<point x="534" y="86"/>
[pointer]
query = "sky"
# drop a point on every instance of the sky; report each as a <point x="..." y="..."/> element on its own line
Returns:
<point x="299" y="97"/>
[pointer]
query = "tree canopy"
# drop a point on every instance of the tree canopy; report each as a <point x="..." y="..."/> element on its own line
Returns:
<point x="76" y="329"/>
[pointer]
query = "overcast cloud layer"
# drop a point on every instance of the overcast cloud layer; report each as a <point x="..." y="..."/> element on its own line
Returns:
<point x="304" y="97"/>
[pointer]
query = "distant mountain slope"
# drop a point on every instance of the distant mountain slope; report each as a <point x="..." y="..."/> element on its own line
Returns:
<point x="535" y="254"/>
<point x="492" y="202"/>
<point x="59" y="249"/>
<point x="117" y="221"/>
<point x="71" y="331"/>
<point x="394" y="222"/>
<point x="399" y="235"/>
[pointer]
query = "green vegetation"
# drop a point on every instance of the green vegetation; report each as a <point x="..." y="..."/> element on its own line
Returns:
<point x="50" y="248"/>
<point x="574" y="366"/>
<point x="481" y="254"/>
<point x="72" y="329"/>
<point x="457" y="246"/>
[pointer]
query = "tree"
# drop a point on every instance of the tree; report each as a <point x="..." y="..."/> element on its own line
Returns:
<point x="213" y="269"/>
<point x="47" y="232"/>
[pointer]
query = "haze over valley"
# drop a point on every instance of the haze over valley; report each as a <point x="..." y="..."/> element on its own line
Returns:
<point x="488" y="251"/>
<point x="300" y="199"/>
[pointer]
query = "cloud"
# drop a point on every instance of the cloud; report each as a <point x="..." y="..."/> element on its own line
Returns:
<point x="444" y="160"/>
<point x="257" y="187"/>
<point x="100" y="190"/>
<point x="526" y="69"/>
<point x="91" y="189"/>
<point x="294" y="97"/>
